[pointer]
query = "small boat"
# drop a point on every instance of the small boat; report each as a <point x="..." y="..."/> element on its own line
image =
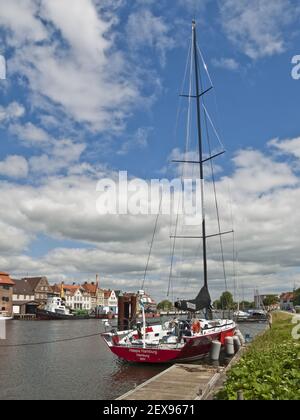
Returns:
<point x="56" y="309"/>
<point x="241" y="315"/>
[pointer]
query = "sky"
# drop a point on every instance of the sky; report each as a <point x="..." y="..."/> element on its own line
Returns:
<point x="92" y="88"/>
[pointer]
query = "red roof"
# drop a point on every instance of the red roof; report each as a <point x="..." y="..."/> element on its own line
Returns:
<point x="287" y="296"/>
<point x="6" y="280"/>
<point x="91" y="288"/>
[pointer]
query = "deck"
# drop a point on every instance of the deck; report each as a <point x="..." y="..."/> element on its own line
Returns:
<point x="179" y="382"/>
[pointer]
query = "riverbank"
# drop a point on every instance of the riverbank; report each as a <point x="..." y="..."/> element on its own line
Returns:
<point x="270" y="368"/>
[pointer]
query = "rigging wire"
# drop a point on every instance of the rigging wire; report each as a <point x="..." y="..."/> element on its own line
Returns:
<point x="206" y="119"/>
<point x="188" y="133"/>
<point x="152" y="241"/>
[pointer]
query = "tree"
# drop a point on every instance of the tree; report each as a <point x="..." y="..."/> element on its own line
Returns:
<point x="165" y="305"/>
<point x="270" y="300"/>
<point x="246" y="305"/>
<point x="226" y="301"/>
<point x="297" y="297"/>
<point x="217" y="304"/>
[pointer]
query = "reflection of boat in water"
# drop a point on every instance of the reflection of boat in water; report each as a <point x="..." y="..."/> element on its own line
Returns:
<point x="56" y="309"/>
<point x="178" y="340"/>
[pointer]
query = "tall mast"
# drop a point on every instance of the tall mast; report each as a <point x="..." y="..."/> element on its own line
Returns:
<point x="200" y="146"/>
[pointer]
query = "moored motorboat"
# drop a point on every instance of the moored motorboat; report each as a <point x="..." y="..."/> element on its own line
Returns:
<point x="56" y="309"/>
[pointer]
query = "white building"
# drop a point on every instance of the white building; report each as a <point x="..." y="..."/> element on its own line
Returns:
<point x="77" y="297"/>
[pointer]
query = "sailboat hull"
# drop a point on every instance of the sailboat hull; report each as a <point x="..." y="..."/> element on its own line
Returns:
<point x="195" y="348"/>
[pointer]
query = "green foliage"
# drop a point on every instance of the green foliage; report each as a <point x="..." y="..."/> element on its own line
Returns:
<point x="80" y="312"/>
<point x="217" y="304"/>
<point x="226" y="301"/>
<point x="271" y="300"/>
<point x="270" y="370"/>
<point x="245" y="305"/>
<point x="165" y="305"/>
<point x="297" y="297"/>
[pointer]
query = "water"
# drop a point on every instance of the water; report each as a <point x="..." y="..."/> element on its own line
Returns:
<point x="81" y="369"/>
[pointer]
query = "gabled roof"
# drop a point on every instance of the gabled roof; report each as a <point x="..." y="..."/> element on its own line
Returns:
<point x="6" y="280"/>
<point x="33" y="281"/>
<point x="91" y="287"/>
<point x="24" y="287"/>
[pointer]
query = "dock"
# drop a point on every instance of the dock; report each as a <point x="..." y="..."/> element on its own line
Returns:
<point x="179" y="382"/>
<point x="25" y="317"/>
<point x="184" y="382"/>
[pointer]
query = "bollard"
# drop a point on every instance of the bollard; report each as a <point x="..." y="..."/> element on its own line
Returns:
<point x="236" y="343"/>
<point x="215" y="350"/>
<point x="229" y="348"/>
<point x="241" y="337"/>
<point x="240" y="396"/>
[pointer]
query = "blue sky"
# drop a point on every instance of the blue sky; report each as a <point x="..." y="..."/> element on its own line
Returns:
<point x="92" y="88"/>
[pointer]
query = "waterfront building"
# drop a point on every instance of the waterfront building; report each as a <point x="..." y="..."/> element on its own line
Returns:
<point x="34" y="286"/>
<point x="100" y="297"/>
<point x="92" y="289"/>
<point x="24" y="297"/>
<point x="76" y="297"/>
<point x="287" y="301"/>
<point x="6" y="294"/>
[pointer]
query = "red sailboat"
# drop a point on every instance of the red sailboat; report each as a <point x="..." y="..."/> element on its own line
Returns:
<point x="178" y="340"/>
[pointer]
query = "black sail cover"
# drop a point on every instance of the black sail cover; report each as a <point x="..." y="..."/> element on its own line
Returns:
<point x="202" y="301"/>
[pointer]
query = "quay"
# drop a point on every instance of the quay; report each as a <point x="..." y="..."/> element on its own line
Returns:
<point x="25" y="317"/>
<point x="184" y="382"/>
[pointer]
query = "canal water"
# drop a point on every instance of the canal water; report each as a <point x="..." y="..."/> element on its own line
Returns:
<point x="80" y="369"/>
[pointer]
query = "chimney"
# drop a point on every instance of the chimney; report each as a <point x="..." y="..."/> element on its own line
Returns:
<point x="97" y="278"/>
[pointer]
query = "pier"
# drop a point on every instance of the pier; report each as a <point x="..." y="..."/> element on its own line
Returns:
<point x="183" y="382"/>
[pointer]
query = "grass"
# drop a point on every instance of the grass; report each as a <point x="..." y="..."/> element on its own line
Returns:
<point x="270" y="369"/>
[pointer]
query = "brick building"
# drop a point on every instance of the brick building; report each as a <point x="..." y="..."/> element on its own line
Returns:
<point x="6" y="294"/>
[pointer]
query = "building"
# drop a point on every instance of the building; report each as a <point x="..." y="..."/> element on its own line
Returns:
<point x="107" y="301"/>
<point x="92" y="289"/>
<point x="286" y="301"/>
<point x="76" y="297"/>
<point x="24" y="297"/>
<point x="39" y="287"/>
<point x="147" y="301"/>
<point x="6" y="294"/>
<point x="100" y="297"/>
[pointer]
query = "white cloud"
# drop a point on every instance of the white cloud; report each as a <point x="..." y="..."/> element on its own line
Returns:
<point x="225" y="63"/>
<point x="138" y="140"/>
<point x="30" y="133"/>
<point x="144" y="29"/>
<point x="265" y="195"/>
<point x="257" y="27"/>
<point x="288" y="146"/>
<point x="61" y="154"/>
<point x="13" y="111"/>
<point x="14" y="167"/>
<point x="82" y="73"/>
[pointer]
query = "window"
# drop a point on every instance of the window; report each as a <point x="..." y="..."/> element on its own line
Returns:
<point x="5" y="287"/>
